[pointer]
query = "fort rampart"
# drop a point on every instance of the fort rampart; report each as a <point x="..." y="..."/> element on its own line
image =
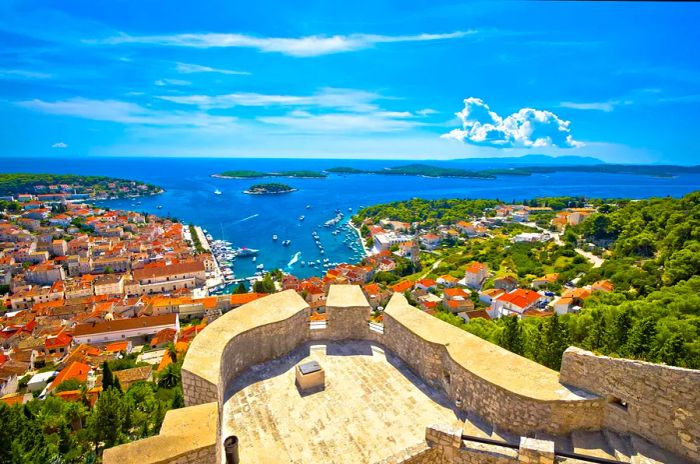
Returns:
<point x="511" y="392"/>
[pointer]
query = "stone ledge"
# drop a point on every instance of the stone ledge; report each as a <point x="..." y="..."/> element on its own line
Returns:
<point x="187" y="435"/>
<point x="346" y="296"/>
<point x="484" y="359"/>
<point x="204" y="356"/>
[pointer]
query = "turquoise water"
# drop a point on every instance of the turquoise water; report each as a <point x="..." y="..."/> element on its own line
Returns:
<point x="250" y="220"/>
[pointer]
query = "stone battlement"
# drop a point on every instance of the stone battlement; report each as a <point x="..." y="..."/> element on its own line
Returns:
<point x="511" y="392"/>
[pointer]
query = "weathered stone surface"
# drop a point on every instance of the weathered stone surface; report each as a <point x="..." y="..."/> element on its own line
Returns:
<point x="187" y="436"/>
<point x="510" y="392"/>
<point x="370" y="395"/>
<point x="661" y="403"/>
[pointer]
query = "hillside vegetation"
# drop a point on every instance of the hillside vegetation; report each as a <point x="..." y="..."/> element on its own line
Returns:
<point x="14" y="184"/>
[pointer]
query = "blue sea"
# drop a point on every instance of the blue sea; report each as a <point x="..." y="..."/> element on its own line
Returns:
<point x="251" y="220"/>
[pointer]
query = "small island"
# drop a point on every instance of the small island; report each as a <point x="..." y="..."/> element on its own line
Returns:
<point x="423" y="170"/>
<point x="249" y="174"/>
<point x="269" y="189"/>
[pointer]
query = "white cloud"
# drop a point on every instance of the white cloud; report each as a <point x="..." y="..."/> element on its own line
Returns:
<point x="59" y="145"/>
<point x="526" y="128"/>
<point x="427" y="112"/>
<point x="164" y="82"/>
<point x="127" y="113"/>
<point x="606" y="106"/>
<point x="22" y="74"/>
<point x="346" y="99"/>
<point x="299" y="121"/>
<point x="314" y="45"/>
<point x="187" y="68"/>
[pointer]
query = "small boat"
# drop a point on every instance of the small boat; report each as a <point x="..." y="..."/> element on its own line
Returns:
<point x="159" y="207"/>
<point x="308" y="206"/>
<point x="274" y="237"/>
<point x="255" y="258"/>
<point x="286" y="242"/>
<point x="301" y="218"/>
<point x="217" y="192"/>
<point x="349" y="209"/>
<point x="260" y="266"/>
<point x="246" y="252"/>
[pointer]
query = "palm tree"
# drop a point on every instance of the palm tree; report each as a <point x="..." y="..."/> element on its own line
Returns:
<point x="170" y="377"/>
<point x="171" y="350"/>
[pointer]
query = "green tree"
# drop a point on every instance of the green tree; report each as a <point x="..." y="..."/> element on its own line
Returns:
<point x="241" y="289"/>
<point x="170" y="378"/>
<point x="171" y="350"/>
<point x="108" y="423"/>
<point x="619" y="331"/>
<point x="672" y="351"/>
<point x="641" y="339"/>
<point x="68" y="385"/>
<point x="511" y="336"/>
<point x="107" y="376"/>
<point x="555" y="340"/>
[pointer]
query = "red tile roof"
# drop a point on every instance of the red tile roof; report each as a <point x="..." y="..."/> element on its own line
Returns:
<point x="520" y="297"/>
<point x="124" y="324"/>
<point x="243" y="298"/>
<point x="402" y="286"/>
<point x="75" y="370"/>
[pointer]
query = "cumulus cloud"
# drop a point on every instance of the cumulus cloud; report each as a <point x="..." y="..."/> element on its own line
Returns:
<point x="527" y="127"/>
<point x="59" y="145"/>
<point x="308" y="46"/>
<point x="187" y="68"/>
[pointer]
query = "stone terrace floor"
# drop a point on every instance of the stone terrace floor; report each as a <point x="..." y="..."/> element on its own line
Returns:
<point x="373" y="406"/>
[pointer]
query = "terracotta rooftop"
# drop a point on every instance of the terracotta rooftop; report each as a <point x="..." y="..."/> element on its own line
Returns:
<point x="125" y="324"/>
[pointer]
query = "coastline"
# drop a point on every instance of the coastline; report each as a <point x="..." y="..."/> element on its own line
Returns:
<point x="359" y="235"/>
<point x="220" y="176"/>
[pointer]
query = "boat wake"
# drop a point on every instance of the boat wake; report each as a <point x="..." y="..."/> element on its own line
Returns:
<point x="248" y="218"/>
<point x="294" y="259"/>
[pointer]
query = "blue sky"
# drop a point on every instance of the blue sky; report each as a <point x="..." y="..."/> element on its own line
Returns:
<point x="620" y="81"/>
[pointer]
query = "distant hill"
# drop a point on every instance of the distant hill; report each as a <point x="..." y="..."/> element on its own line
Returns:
<point x="532" y="160"/>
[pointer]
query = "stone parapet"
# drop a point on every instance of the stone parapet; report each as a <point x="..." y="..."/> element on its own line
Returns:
<point x="187" y="436"/>
<point x="511" y="392"/>
<point x="660" y="403"/>
<point x="348" y="313"/>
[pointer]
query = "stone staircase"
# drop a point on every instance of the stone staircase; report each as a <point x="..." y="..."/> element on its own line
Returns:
<point x="605" y="444"/>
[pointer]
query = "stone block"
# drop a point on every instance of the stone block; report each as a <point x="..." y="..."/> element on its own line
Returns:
<point x="534" y="451"/>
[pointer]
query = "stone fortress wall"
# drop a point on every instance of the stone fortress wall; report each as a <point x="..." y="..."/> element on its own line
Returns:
<point x="511" y="392"/>
<point x="659" y="403"/>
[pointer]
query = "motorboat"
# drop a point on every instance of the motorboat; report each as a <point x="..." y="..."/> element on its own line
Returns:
<point x="217" y="192"/>
<point x="245" y="252"/>
<point x="274" y="237"/>
<point x="302" y="217"/>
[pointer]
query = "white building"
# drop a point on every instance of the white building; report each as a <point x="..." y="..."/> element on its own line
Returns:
<point x="125" y="329"/>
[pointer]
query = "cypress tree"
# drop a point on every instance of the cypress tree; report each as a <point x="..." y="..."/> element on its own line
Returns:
<point x="511" y="337"/>
<point x="107" y="376"/>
